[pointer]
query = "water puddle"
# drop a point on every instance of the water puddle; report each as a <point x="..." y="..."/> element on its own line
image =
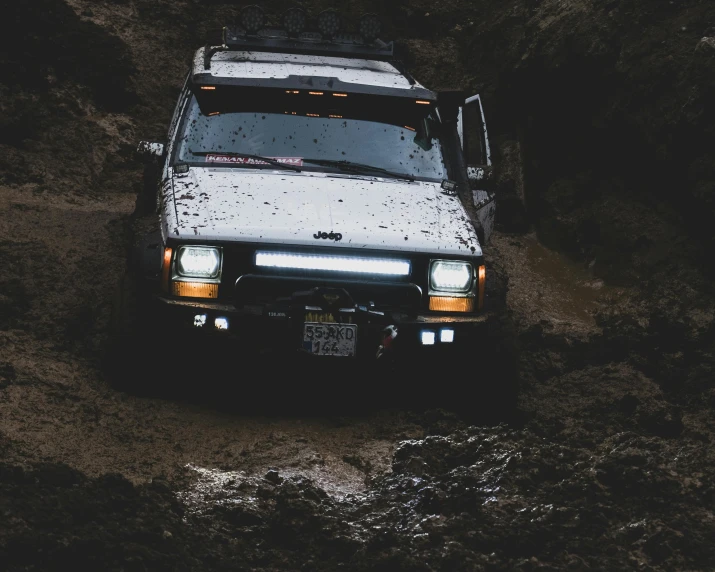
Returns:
<point x="546" y="285"/>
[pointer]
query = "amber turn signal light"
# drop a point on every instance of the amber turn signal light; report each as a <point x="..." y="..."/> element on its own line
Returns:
<point x="195" y="289"/>
<point x="482" y="283"/>
<point x="451" y="304"/>
<point x="165" y="269"/>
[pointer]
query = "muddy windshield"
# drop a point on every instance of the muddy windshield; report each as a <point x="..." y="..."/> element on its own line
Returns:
<point x="314" y="139"/>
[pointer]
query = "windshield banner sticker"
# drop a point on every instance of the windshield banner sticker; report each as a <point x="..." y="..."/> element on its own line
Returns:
<point x="295" y="161"/>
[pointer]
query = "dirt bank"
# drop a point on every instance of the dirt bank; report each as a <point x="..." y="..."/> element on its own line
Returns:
<point x="602" y="121"/>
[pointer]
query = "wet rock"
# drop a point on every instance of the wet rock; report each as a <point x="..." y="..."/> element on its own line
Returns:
<point x="241" y="516"/>
<point x="60" y="518"/>
<point x="272" y="476"/>
<point x="494" y="497"/>
<point x="440" y="421"/>
<point x="707" y="44"/>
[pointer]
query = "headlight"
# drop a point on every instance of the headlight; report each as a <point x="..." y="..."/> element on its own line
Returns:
<point x="198" y="262"/>
<point x="451" y="276"/>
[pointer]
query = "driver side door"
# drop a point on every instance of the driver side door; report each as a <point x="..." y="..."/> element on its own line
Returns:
<point x="472" y="128"/>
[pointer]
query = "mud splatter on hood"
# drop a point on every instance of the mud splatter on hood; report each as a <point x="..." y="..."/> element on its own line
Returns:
<point x="222" y="204"/>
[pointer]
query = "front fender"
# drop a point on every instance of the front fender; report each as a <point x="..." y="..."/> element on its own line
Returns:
<point x="146" y="256"/>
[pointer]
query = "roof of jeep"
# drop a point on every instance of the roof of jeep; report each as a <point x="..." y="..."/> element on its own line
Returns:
<point x="256" y="65"/>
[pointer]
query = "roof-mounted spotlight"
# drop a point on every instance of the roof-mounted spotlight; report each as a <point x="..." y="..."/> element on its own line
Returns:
<point x="370" y="28"/>
<point x="253" y="19"/>
<point x="329" y="23"/>
<point x="294" y="21"/>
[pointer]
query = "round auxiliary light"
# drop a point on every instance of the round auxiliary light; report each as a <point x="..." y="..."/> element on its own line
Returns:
<point x="370" y="28"/>
<point x="329" y="23"/>
<point x="253" y="19"/>
<point x="294" y="21"/>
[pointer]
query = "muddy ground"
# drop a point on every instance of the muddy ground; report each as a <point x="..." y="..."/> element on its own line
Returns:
<point x="602" y="119"/>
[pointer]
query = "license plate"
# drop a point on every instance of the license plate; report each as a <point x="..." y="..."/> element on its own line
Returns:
<point x="328" y="339"/>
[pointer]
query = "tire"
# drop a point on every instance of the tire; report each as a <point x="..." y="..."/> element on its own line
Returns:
<point x="489" y="386"/>
<point x="130" y="363"/>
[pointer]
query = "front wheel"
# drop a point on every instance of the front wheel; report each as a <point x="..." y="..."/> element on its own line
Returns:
<point x="478" y="380"/>
<point x="492" y="385"/>
<point x="131" y="360"/>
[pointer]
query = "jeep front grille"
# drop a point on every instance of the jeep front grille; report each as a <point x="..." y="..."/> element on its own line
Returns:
<point x="262" y="289"/>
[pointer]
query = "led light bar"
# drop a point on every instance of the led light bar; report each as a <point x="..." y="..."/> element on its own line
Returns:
<point x="354" y="264"/>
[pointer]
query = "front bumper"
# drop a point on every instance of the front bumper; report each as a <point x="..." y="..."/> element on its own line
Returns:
<point x="280" y="326"/>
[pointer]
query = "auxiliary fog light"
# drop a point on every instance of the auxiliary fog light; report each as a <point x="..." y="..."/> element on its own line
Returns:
<point x="427" y="338"/>
<point x="221" y="323"/>
<point x="200" y="320"/>
<point x="253" y="19"/>
<point x="446" y="336"/>
<point x="329" y="23"/>
<point x="294" y="21"/>
<point x="370" y="27"/>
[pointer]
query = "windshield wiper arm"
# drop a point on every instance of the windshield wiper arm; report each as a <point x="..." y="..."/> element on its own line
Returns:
<point x="268" y="160"/>
<point x="357" y="167"/>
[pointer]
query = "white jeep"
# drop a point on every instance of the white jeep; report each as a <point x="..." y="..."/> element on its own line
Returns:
<point x="314" y="197"/>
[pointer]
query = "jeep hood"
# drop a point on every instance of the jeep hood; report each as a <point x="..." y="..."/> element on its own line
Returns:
<point x="215" y="204"/>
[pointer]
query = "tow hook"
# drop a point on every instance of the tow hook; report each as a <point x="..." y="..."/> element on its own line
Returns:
<point x="389" y="334"/>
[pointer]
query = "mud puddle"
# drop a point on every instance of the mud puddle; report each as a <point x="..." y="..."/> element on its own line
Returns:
<point x="545" y="286"/>
<point x="78" y="420"/>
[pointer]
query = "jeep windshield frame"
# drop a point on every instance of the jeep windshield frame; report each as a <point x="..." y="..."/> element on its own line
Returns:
<point x="389" y="134"/>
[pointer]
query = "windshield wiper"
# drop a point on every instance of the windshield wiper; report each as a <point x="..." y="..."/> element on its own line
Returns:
<point x="268" y="160"/>
<point x="358" y="168"/>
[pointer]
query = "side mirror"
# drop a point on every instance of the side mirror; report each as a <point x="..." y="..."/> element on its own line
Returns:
<point x="150" y="150"/>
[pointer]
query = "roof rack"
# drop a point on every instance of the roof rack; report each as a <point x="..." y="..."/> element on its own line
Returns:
<point x="307" y="43"/>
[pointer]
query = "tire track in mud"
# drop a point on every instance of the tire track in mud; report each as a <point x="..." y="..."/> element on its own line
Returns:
<point x="57" y="409"/>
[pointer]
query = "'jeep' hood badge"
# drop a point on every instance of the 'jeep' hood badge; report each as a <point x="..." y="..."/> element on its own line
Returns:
<point x="328" y="235"/>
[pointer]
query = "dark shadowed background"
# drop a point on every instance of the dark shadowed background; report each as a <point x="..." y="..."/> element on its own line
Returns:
<point x="602" y="123"/>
